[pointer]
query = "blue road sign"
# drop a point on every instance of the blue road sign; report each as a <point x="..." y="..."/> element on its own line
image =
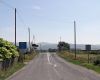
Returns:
<point x="22" y="45"/>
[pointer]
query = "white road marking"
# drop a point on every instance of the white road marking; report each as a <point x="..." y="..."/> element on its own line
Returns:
<point x="48" y="57"/>
<point x="49" y="60"/>
<point x="53" y="64"/>
<point x="58" y="74"/>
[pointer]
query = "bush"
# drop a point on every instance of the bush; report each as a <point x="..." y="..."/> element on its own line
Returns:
<point x="7" y="52"/>
<point x="7" y="49"/>
<point x="95" y="52"/>
<point x="97" y="61"/>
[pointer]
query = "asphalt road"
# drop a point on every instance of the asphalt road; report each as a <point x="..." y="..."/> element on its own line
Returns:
<point x="49" y="66"/>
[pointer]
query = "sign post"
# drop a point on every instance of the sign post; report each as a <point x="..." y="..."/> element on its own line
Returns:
<point x="23" y="47"/>
<point x="88" y="49"/>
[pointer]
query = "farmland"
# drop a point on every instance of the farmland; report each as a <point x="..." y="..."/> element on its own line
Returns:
<point x="82" y="59"/>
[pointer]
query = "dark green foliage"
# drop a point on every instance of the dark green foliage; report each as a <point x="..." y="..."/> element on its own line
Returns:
<point x="63" y="46"/>
<point x="97" y="61"/>
<point x="94" y="52"/>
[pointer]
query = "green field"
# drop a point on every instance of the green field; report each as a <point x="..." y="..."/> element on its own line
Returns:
<point x="81" y="59"/>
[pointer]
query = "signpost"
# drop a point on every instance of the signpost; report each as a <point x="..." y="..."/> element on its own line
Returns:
<point x="34" y="46"/>
<point x="23" y="47"/>
<point x="88" y="48"/>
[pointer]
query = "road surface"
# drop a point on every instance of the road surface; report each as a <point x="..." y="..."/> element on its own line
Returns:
<point x="47" y="66"/>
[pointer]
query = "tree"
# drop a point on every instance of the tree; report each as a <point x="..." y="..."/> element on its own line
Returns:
<point x="7" y="49"/>
<point x="63" y="46"/>
<point x="7" y="53"/>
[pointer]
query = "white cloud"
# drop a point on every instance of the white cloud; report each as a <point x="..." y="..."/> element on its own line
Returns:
<point x="36" y="7"/>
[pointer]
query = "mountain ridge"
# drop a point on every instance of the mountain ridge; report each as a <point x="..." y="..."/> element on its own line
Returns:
<point x="46" y="46"/>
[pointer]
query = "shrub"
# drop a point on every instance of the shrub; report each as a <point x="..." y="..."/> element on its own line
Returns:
<point x="7" y="53"/>
<point x="95" y="52"/>
<point x="7" y="49"/>
<point x="97" y="61"/>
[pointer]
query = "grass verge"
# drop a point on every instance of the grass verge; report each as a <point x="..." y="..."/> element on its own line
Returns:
<point x="10" y="70"/>
<point x="29" y="57"/>
<point x="17" y="66"/>
<point x="83" y="63"/>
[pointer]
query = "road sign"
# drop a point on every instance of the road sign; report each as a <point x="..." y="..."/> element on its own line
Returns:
<point x="88" y="47"/>
<point x="22" y="45"/>
<point x="34" y="45"/>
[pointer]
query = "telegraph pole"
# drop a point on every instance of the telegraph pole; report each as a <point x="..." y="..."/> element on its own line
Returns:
<point x="33" y="39"/>
<point x="33" y="42"/>
<point x="75" y="37"/>
<point x="29" y="39"/>
<point x="40" y="47"/>
<point x="60" y="38"/>
<point x="15" y="26"/>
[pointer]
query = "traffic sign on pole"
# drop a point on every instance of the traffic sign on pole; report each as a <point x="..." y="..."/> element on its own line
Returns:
<point x="22" y="45"/>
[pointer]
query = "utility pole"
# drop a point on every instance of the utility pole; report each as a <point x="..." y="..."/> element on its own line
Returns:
<point x="33" y="39"/>
<point x="75" y="37"/>
<point x="29" y="39"/>
<point x="33" y="42"/>
<point x="60" y="38"/>
<point x="40" y="48"/>
<point x="15" y="26"/>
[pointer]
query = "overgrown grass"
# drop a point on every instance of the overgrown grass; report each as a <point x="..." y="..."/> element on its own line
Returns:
<point x="29" y="57"/>
<point x="16" y="67"/>
<point x="92" y="67"/>
<point x="10" y="70"/>
<point x="81" y="60"/>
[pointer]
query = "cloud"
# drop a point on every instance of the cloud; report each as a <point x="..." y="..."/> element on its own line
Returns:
<point x="36" y="7"/>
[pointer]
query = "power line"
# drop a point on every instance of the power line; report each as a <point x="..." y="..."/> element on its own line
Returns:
<point x="6" y="4"/>
<point x="17" y="12"/>
<point x="21" y="19"/>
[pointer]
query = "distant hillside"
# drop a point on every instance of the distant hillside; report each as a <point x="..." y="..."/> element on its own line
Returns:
<point x="46" y="46"/>
<point x="82" y="47"/>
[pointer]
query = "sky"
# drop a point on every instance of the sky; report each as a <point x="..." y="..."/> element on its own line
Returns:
<point x="51" y="19"/>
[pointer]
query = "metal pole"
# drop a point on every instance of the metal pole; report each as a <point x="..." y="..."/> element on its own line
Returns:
<point x="88" y="56"/>
<point x="15" y="26"/>
<point x="75" y="37"/>
<point x="29" y="39"/>
<point x="40" y="48"/>
<point x="33" y="42"/>
<point x="60" y="38"/>
<point x="33" y="39"/>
